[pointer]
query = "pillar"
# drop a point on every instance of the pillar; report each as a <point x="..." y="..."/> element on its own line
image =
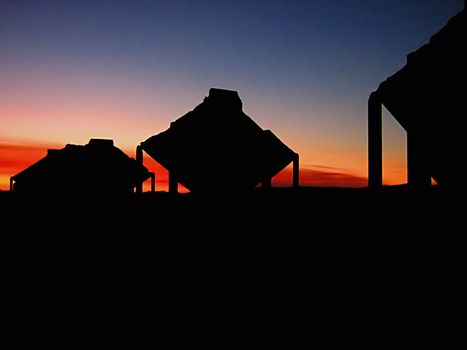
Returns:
<point x="375" y="142"/>
<point x="417" y="167"/>
<point x="173" y="183"/>
<point x="139" y="161"/>
<point x="11" y="184"/>
<point x="153" y="182"/>
<point x="296" y="171"/>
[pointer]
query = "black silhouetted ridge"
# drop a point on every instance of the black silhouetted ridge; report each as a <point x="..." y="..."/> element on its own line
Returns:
<point x="96" y="167"/>
<point x="217" y="146"/>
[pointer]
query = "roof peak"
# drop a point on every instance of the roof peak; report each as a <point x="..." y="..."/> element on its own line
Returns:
<point x="224" y="97"/>
<point x="101" y="142"/>
<point x="222" y="91"/>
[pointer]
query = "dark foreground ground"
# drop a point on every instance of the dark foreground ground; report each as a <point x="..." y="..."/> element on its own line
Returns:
<point x="281" y="223"/>
<point x="282" y="214"/>
<point x="345" y="264"/>
<point x="307" y="211"/>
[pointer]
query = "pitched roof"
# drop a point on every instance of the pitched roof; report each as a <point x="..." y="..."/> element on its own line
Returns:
<point x="99" y="164"/>
<point x="427" y="97"/>
<point x="218" y="145"/>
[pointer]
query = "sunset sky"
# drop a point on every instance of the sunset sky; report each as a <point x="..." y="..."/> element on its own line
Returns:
<point x="74" y="70"/>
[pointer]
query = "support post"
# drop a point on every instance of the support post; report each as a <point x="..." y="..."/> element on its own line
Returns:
<point x="418" y="172"/>
<point x="375" y="142"/>
<point x="139" y="161"/>
<point x="153" y="182"/>
<point x="173" y="183"/>
<point x="296" y="171"/>
<point x="11" y="184"/>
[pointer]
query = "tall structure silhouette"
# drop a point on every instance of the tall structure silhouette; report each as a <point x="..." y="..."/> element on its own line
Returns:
<point x="427" y="98"/>
<point x="217" y="146"/>
<point x="98" y="167"/>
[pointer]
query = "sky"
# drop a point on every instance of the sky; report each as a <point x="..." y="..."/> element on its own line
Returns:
<point x="124" y="69"/>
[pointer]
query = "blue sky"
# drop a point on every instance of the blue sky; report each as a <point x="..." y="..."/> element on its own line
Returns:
<point x="303" y="69"/>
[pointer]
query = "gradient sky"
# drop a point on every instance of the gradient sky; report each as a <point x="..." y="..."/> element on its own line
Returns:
<point x="72" y="70"/>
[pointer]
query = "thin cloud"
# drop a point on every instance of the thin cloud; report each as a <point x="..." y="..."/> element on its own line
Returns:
<point x="309" y="166"/>
<point x="321" y="178"/>
<point x="11" y="147"/>
<point x="16" y="157"/>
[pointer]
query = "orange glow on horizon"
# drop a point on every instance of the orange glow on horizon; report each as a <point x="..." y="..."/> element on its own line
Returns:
<point x="319" y="176"/>
<point x="47" y="112"/>
<point x="16" y="157"/>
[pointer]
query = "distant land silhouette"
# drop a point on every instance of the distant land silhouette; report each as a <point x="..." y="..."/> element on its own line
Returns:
<point x="427" y="97"/>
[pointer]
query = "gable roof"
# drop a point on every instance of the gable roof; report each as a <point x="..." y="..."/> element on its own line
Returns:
<point x="99" y="164"/>
<point x="218" y="145"/>
<point x="427" y="97"/>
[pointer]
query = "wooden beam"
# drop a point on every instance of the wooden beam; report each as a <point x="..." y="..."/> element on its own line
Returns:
<point x="375" y="142"/>
<point x="418" y="173"/>
<point x="296" y="171"/>
<point x="173" y="183"/>
<point x="139" y="161"/>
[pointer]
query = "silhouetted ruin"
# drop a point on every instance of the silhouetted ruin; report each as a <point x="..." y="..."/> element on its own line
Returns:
<point x="427" y="98"/>
<point x="98" y="167"/>
<point x="218" y="147"/>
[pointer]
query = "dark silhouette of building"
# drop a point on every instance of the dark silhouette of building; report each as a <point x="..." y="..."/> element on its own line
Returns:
<point x="427" y="97"/>
<point x="218" y="147"/>
<point x="98" y="167"/>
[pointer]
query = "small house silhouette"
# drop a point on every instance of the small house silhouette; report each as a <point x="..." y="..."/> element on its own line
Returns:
<point x="98" y="167"/>
<point x="427" y="97"/>
<point x="218" y="147"/>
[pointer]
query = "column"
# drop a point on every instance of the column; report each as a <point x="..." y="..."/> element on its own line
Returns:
<point x="417" y="168"/>
<point x="375" y="142"/>
<point x="153" y="182"/>
<point x="139" y="161"/>
<point x="173" y="183"/>
<point x="296" y="171"/>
